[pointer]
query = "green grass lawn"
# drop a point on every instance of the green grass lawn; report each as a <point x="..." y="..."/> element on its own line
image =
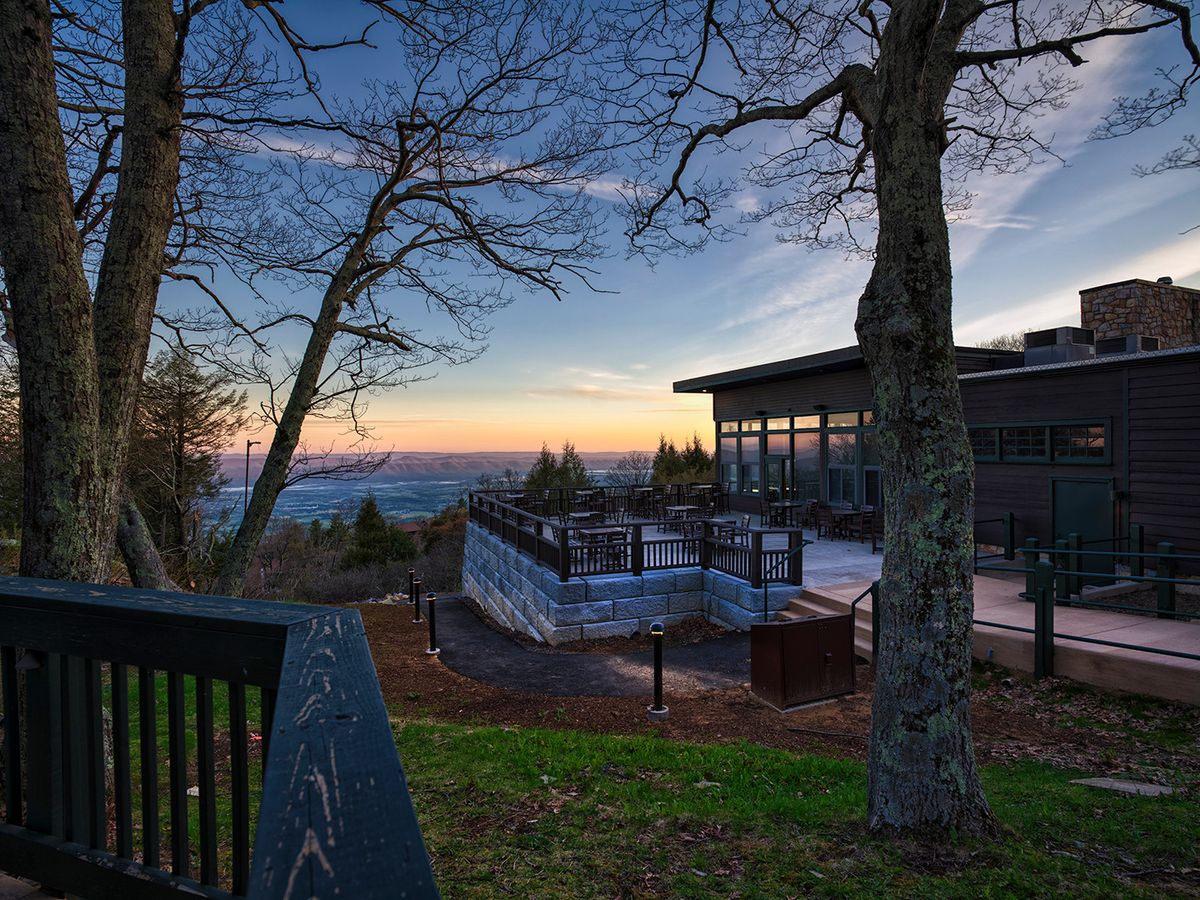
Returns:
<point x="533" y="812"/>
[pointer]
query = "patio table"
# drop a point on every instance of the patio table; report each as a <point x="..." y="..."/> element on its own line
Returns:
<point x="790" y="507"/>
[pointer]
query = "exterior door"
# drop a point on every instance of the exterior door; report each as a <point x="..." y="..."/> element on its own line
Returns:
<point x="1084" y="506"/>
<point x="778" y="480"/>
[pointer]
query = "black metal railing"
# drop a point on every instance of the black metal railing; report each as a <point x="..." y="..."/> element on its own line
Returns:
<point x="130" y="762"/>
<point x="732" y="549"/>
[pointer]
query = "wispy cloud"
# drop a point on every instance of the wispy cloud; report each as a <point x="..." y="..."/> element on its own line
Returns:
<point x="1060" y="304"/>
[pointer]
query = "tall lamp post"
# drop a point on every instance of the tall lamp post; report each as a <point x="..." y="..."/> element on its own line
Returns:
<point x="246" y="495"/>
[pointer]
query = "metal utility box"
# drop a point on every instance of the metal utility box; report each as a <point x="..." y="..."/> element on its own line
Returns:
<point x="799" y="661"/>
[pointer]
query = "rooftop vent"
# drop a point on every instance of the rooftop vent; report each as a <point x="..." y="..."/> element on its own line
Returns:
<point x="1166" y="279"/>
<point x="1059" y="345"/>
<point x="1130" y="343"/>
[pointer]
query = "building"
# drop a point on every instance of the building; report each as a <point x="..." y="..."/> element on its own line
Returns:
<point x="1088" y="430"/>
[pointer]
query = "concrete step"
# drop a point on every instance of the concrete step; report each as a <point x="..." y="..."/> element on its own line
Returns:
<point x="815" y="602"/>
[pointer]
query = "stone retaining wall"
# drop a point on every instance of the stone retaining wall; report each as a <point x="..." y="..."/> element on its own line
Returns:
<point x="529" y="598"/>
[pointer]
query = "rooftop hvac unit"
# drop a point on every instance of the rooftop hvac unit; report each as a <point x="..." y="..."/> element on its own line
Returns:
<point x="1059" y="345"/>
<point x="1130" y="343"/>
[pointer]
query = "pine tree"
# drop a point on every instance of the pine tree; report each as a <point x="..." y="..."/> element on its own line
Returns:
<point x="186" y="419"/>
<point x="572" y="473"/>
<point x="543" y="474"/>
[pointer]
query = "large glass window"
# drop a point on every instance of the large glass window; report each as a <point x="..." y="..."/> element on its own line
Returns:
<point x="751" y="468"/>
<point x="726" y="427"/>
<point x="779" y="424"/>
<point x="872" y="492"/>
<point x="729" y="448"/>
<point x="807" y="422"/>
<point x="842" y="467"/>
<point x="842" y="420"/>
<point x="1066" y="442"/>
<point x="807" y="466"/>
<point x="751" y="424"/>
<point x="779" y="445"/>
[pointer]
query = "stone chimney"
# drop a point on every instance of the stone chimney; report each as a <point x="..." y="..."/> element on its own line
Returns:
<point x="1158" y="309"/>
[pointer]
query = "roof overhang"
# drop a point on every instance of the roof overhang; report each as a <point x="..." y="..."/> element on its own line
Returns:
<point x="839" y="360"/>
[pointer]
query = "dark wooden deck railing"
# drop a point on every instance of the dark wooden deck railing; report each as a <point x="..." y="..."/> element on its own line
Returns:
<point x="649" y="544"/>
<point x="86" y="750"/>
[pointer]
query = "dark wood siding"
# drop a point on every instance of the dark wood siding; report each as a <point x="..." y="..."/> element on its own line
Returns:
<point x="1024" y="488"/>
<point x="1164" y="452"/>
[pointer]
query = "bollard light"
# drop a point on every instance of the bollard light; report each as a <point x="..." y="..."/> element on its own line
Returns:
<point x="658" y="712"/>
<point x="416" y="596"/>
<point x="412" y="574"/>
<point x="434" y="649"/>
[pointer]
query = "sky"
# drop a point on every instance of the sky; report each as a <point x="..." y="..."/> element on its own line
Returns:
<point x="597" y="368"/>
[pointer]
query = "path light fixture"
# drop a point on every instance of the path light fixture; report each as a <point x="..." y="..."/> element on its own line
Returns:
<point x="658" y="712"/>
<point x="434" y="649"/>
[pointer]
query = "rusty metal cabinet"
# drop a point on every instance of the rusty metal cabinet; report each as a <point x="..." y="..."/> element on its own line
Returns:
<point x="802" y="660"/>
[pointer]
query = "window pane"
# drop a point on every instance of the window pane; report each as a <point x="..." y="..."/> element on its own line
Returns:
<point x="841" y="485"/>
<point x="868" y="417"/>
<point x="729" y="426"/>
<point x="842" y="420"/>
<point x="779" y="424"/>
<point x="751" y="424"/>
<point x="1023" y="443"/>
<point x="870" y="449"/>
<point x="983" y="442"/>
<point x="729" y="476"/>
<point x="842" y="449"/>
<point x="729" y="450"/>
<point x="750" y="478"/>
<point x="779" y="444"/>
<point x="807" y="469"/>
<point x="1078" y="441"/>
<point x="807" y="422"/>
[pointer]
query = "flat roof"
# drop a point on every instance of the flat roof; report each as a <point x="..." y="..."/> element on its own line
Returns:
<point x="1112" y="359"/>
<point x="840" y="360"/>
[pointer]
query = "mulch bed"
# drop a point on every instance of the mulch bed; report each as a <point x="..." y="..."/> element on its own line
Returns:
<point x="1009" y="718"/>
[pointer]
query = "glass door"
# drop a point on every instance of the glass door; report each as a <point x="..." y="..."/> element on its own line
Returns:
<point x="778" y="478"/>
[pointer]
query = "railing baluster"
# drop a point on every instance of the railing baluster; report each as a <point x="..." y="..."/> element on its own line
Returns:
<point x="148" y="759"/>
<point x="206" y="773"/>
<point x="268" y="720"/>
<point x="122" y="790"/>
<point x="71" y="775"/>
<point x="96" y="800"/>
<point x="239" y="783"/>
<point x="177" y="760"/>
<point x="13" y="777"/>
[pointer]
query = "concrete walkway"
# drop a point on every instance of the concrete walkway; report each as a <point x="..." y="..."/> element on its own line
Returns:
<point x="1114" y="668"/>
<point x="475" y="649"/>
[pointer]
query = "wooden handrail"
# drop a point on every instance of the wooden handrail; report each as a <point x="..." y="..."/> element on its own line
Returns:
<point x="335" y="815"/>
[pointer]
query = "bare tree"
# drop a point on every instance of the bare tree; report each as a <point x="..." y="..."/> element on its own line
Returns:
<point x="878" y="112"/>
<point x="449" y="191"/>
<point x="631" y="470"/>
<point x="121" y="124"/>
<point x="1013" y="340"/>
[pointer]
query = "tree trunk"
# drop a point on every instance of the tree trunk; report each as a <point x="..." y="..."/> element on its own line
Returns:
<point x="146" y="569"/>
<point x="81" y="364"/>
<point x="65" y="487"/>
<point x="271" y="480"/>
<point x="921" y="767"/>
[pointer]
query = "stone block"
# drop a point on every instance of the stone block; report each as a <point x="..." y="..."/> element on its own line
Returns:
<point x="573" y="591"/>
<point x="658" y="583"/>
<point x="689" y="580"/>
<point x="685" y="601"/>
<point x="613" y="587"/>
<point x="599" y="630"/>
<point x="724" y="587"/>
<point x="561" y="635"/>
<point x="636" y="607"/>
<point x="579" y="613"/>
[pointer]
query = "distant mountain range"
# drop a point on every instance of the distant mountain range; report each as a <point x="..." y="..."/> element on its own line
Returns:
<point x="424" y="464"/>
